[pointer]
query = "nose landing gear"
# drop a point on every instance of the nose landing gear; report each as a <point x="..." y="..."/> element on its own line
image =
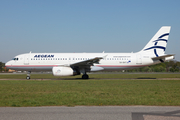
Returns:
<point x="28" y="75"/>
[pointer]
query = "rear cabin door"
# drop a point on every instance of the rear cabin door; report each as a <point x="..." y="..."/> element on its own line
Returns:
<point x="138" y="59"/>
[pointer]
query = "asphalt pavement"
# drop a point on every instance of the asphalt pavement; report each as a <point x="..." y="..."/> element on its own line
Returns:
<point x="91" y="113"/>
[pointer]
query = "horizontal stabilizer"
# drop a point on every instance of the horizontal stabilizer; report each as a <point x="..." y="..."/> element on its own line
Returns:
<point x="164" y="57"/>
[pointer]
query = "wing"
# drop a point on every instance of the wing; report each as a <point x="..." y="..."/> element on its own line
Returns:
<point x="86" y="65"/>
<point x="89" y="62"/>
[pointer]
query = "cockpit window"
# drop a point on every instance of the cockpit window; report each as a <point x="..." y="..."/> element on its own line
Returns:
<point x="15" y="58"/>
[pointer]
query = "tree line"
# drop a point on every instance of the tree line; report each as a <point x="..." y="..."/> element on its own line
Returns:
<point x="170" y="66"/>
<point x="2" y="67"/>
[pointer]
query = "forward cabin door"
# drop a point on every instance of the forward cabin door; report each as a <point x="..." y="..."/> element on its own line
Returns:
<point x="26" y="59"/>
<point x="138" y="59"/>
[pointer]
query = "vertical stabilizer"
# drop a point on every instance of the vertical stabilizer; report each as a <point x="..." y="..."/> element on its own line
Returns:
<point x="157" y="45"/>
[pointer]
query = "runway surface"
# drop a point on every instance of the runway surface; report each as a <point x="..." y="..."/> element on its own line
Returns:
<point x="91" y="113"/>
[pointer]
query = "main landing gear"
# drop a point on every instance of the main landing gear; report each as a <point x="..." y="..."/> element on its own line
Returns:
<point x="28" y="75"/>
<point x="85" y="76"/>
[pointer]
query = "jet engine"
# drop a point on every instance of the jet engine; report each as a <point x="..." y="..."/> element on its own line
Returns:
<point x="63" y="71"/>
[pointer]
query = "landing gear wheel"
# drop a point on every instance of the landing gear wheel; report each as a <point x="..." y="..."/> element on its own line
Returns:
<point x="28" y="75"/>
<point x="85" y="76"/>
<point x="28" y="78"/>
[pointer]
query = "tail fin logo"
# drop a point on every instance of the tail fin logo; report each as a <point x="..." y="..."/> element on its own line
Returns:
<point x="156" y="42"/>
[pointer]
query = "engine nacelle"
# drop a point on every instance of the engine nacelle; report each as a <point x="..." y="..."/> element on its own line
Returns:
<point x="96" y="68"/>
<point x="62" y="71"/>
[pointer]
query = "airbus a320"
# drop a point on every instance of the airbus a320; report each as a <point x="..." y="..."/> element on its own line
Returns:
<point x="69" y="64"/>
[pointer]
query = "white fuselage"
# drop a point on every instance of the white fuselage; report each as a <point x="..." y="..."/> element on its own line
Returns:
<point x="110" y="61"/>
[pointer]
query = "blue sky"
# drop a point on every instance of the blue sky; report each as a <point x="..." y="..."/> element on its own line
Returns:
<point x="85" y="25"/>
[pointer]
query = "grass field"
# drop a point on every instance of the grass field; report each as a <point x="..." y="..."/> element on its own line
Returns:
<point x="93" y="76"/>
<point x="93" y="92"/>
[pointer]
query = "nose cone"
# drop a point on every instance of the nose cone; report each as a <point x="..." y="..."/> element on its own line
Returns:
<point x="8" y="64"/>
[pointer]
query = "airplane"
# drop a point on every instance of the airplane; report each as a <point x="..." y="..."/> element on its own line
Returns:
<point x="71" y="64"/>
